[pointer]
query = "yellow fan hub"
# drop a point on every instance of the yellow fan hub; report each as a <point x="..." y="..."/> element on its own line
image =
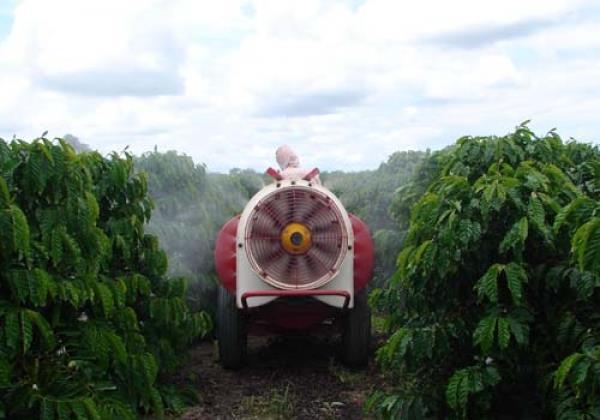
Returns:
<point x="296" y="238"/>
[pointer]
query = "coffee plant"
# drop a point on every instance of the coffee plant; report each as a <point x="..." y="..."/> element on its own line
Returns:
<point x="88" y="322"/>
<point x="499" y="280"/>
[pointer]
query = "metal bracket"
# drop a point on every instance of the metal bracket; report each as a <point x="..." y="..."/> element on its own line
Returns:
<point x="291" y="293"/>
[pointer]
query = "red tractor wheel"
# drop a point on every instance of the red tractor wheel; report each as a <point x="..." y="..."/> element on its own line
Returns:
<point x="231" y="331"/>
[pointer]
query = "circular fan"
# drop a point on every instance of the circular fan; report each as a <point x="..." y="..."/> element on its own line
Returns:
<point x="296" y="238"/>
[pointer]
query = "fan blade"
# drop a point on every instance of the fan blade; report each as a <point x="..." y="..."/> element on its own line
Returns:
<point x="272" y="214"/>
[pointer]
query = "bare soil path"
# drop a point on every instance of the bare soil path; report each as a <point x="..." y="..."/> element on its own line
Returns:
<point x="284" y="378"/>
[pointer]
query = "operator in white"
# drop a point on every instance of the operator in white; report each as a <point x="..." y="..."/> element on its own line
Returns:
<point x="290" y="165"/>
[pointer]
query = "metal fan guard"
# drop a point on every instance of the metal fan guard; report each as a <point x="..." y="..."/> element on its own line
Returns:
<point x="296" y="204"/>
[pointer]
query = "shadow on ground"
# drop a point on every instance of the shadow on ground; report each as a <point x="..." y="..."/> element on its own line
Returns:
<point x="284" y="377"/>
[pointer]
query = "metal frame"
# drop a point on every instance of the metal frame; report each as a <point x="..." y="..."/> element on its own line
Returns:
<point x="295" y="293"/>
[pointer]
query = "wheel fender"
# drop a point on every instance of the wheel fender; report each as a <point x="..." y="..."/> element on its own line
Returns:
<point x="364" y="253"/>
<point x="225" y="258"/>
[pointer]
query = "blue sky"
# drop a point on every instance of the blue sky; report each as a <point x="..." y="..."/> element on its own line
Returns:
<point x="346" y="83"/>
<point x="6" y="17"/>
<point x="5" y="24"/>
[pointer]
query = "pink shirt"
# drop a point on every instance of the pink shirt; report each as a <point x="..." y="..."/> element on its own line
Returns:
<point x="290" y="165"/>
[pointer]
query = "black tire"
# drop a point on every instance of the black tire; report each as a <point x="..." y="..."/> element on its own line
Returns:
<point x="231" y="333"/>
<point x="356" y="333"/>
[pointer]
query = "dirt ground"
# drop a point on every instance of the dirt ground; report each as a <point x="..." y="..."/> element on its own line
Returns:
<point x="284" y="378"/>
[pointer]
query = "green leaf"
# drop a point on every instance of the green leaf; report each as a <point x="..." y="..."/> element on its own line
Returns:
<point x="91" y="409"/>
<point x="581" y="207"/>
<point x="565" y="367"/>
<point x="4" y="195"/>
<point x="585" y="245"/>
<point x="43" y="327"/>
<point x="157" y="404"/>
<point x="452" y="389"/>
<point x="41" y="147"/>
<point x="516" y="236"/>
<point x="536" y="213"/>
<point x="119" y="290"/>
<point x="463" y="392"/>
<point x="19" y="284"/>
<point x="503" y="332"/>
<point x="26" y="330"/>
<point x="580" y="371"/>
<point x="47" y="409"/>
<point x="64" y="410"/>
<point x="485" y="332"/>
<point x="491" y="377"/>
<point x="5" y="374"/>
<point x="105" y="297"/>
<point x="73" y="249"/>
<point x="92" y="206"/>
<point x="56" y="246"/>
<point x="118" y="347"/>
<point x="78" y="409"/>
<point x="515" y="277"/>
<point x="20" y="231"/>
<point x="487" y="285"/>
<point x="39" y="284"/>
<point x="468" y="231"/>
<point x="519" y="331"/>
<point x="150" y="368"/>
<point x="11" y="329"/>
<point x="420" y="251"/>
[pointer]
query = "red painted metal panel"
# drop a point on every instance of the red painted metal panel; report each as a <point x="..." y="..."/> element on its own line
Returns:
<point x="274" y="174"/>
<point x="225" y="258"/>
<point x="313" y="173"/>
<point x="364" y="253"/>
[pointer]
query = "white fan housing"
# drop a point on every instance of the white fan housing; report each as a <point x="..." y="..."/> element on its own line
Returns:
<point x="294" y="235"/>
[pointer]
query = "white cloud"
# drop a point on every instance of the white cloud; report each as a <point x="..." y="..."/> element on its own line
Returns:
<point x="345" y="84"/>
